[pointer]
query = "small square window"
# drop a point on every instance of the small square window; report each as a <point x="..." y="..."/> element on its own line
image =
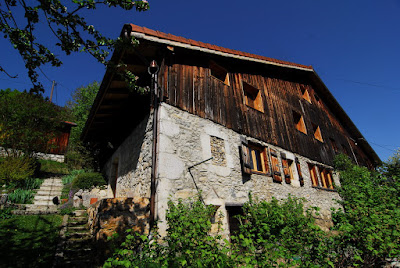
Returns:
<point x="305" y="94"/>
<point x="317" y="132"/>
<point x="252" y="97"/>
<point x="299" y="122"/>
<point x="219" y="72"/>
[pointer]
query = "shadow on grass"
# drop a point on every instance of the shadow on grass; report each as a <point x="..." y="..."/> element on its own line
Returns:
<point x="29" y="241"/>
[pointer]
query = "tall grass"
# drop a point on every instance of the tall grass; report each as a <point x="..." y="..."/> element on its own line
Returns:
<point x="69" y="178"/>
<point x="21" y="196"/>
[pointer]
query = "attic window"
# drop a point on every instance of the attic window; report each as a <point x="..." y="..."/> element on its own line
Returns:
<point x="299" y="122"/>
<point x="219" y="72"/>
<point x="252" y="97"/>
<point x="305" y="94"/>
<point x="317" y="132"/>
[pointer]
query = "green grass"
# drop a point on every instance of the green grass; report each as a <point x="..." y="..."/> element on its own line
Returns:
<point x="48" y="166"/>
<point x="29" y="241"/>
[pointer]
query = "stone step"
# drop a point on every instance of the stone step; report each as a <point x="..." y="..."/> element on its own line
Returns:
<point x="80" y="212"/>
<point x="51" y="187"/>
<point x="77" y="228"/>
<point x="78" y="235"/>
<point x="76" y="263"/>
<point x="45" y="197"/>
<point x="43" y="203"/>
<point x="52" y="184"/>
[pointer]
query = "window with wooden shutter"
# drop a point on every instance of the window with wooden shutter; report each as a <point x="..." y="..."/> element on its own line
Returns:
<point x="299" y="172"/>
<point x="254" y="158"/>
<point x="326" y="178"/>
<point x="245" y="156"/>
<point x="313" y="174"/>
<point x="317" y="132"/>
<point x="305" y="94"/>
<point x="287" y="169"/>
<point x="219" y="72"/>
<point x="299" y="122"/>
<point x="276" y="173"/>
<point x="252" y="97"/>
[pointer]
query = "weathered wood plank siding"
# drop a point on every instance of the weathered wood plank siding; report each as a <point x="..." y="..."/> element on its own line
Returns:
<point x="191" y="87"/>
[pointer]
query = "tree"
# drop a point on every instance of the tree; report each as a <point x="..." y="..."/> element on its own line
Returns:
<point x="369" y="224"/>
<point x="27" y="122"/>
<point x="80" y="105"/>
<point x="71" y="30"/>
<point x="78" y="155"/>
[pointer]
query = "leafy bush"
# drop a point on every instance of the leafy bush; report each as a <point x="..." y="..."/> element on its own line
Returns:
<point x="280" y="232"/>
<point x="187" y="242"/>
<point x="14" y="169"/>
<point x="88" y="180"/>
<point x="6" y="213"/>
<point x="369" y="223"/>
<point x="21" y="196"/>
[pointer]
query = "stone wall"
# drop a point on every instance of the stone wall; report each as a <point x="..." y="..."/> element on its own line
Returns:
<point x="114" y="216"/>
<point x="54" y="157"/>
<point x="130" y="164"/>
<point x="186" y="139"/>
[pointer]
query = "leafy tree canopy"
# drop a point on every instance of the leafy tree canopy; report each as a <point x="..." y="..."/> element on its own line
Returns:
<point x="71" y="30"/>
<point x="80" y="105"/>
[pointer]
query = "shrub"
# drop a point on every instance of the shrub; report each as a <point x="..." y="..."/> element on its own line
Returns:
<point x="187" y="243"/>
<point x="32" y="183"/>
<point x="280" y="232"/>
<point x="88" y="180"/>
<point x="14" y="169"/>
<point x="21" y="196"/>
<point x="6" y="213"/>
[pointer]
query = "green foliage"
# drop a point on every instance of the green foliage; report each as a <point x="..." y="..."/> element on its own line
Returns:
<point x="68" y="209"/>
<point x="68" y="25"/>
<point x="21" y="196"/>
<point x="32" y="183"/>
<point x="187" y="243"/>
<point x="29" y="240"/>
<point x="16" y="169"/>
<point x="280" y="232"/>
<point x="54" y="167"/>
<point x="369" y="224"/>
<point x="6" y="213"/>
<point x="27" y="123"/>
<point x="80" y="105"/>
<point x="67" y="179"/>
<point x="88" y="180"/>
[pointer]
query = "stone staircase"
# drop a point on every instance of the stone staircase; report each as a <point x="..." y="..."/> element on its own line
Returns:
<point x="76" y="245"/>
<point x="47" y="197"/>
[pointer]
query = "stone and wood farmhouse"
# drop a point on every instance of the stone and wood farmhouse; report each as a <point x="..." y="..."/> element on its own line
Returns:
<point x="219" y="122"/>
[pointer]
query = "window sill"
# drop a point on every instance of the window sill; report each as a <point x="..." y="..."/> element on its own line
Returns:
<point x="260" y="173"/>
<point x="325" y="189"/>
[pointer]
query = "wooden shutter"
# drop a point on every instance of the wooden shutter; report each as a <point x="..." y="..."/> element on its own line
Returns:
<point x="329" y="177"/>
<point x="266" y="161"/>
<point x="313" y="174"/>
<point x="299" y="172"/>
<point x="245" y="156"/>
<point x="286" y="168"/>
<point x="275" y="166"/>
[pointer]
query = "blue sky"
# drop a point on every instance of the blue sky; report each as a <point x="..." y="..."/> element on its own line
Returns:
<point x="354" y="46"/>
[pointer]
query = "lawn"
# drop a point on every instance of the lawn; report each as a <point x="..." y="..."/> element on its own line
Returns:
<point x="29" y="241"/>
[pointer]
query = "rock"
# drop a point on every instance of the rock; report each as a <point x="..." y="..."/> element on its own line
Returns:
<point x="3" y="199"/>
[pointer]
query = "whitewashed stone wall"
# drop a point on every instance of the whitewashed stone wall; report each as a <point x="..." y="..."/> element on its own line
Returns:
<point x="54" y="157"/>
<point x="134" y="163"/>
<point x="185" y="139"/>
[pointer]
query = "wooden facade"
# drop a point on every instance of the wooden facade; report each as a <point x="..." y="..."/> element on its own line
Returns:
<point x="188" y="83"/>
<point x="281" y="103"/>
